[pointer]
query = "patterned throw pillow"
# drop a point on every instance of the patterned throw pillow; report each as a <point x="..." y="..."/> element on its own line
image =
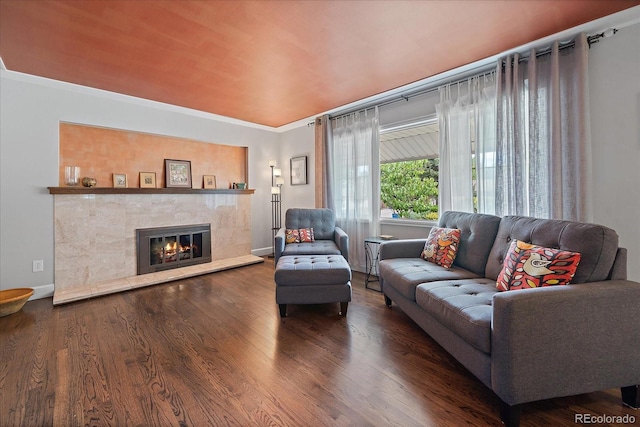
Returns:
<point x="292" y="236"/>
<point x="306" y="235"/>
<point x="529" y="266"/>
<point x="441" y="246"/>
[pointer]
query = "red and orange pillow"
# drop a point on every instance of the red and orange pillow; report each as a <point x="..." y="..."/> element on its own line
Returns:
<point x="529" y="266"/>
<point x="441" y="246"/>
<point x="301" y="235"/>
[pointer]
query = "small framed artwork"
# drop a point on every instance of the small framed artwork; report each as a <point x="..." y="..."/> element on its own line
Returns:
<point x="147" y="180"/>
<point x="119" y="180"/>
<point x="209" y="181"/>
<point x="299" y="170"/>
<point x="177" y="173"/>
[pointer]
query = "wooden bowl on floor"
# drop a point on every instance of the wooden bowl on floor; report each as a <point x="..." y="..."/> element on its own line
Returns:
<point x="12" y="300"/>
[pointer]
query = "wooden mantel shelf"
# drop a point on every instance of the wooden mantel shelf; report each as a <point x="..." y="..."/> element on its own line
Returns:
<point x="111" y="190"/>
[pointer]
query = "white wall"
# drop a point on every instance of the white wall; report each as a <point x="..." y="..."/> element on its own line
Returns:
<point x="614" y="76"/>
<point x="295" y="143"/>
<point x="30" y="112"/>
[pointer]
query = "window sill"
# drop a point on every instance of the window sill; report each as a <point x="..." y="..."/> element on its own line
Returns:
<point x="421" y="223"/>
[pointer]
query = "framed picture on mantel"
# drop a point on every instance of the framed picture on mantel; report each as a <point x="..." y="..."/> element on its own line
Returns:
<point x="147" y="180"/>
<point x="209" y="181"/>
<point x="177" y="173"/>
<point x="119" y="180"/>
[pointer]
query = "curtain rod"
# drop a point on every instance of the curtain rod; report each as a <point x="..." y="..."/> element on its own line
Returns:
<point x="590" y="40"/>
<point x="476" y="72"/>
<point x="480" y="71"/>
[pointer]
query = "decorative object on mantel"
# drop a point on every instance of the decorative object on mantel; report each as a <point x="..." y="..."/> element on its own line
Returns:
<point x="71" y="175"/>
<point x="177" y="173"/>
<point x="208" y="181"/>
<point x="119" y="180"/>
<point x="89" y="182"/>
<point x="239" y="185"/>
<point x="276" y="201"/>
<point x="299" y="170"/>
<point x="136" y="190"/>
<point x="12" y="300"/>
<point x="147" y="180"/>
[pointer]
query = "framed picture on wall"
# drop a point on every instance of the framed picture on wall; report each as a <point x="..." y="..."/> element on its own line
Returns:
<point x="299" y="170"/>
<point x="147" y="180"/>
<point x="119" y="180"/>
<point x="177" y="173"/>
<point x="209" y="181"/>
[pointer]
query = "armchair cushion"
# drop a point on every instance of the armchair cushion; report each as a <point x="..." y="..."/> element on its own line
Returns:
<point x="306" y="235"/>
<point x="292" y="236"/>
<point x="318" y="247"/>
<point x="323" y="221"/>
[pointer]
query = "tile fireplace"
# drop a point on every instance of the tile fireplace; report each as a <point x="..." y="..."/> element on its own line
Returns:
<point x="95" y="236"/>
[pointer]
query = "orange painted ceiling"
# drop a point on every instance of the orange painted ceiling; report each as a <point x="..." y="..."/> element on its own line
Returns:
<point x="270" y="62"/>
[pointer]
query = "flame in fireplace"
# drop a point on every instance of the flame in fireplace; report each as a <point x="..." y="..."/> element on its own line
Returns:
<point x="174" y="251"/>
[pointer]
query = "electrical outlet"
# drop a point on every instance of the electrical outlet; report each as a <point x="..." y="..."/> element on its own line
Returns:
<point x="38" y="265"/>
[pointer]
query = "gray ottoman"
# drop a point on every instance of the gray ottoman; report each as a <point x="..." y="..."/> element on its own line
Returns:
<point x="312" y="279"/>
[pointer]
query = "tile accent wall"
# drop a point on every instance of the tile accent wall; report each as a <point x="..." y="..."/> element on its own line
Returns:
<point x="95" y="233"/>
<point x="101" y="152"/>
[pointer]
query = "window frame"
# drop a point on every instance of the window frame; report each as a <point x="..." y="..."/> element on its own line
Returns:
<point x="405" y="125"/>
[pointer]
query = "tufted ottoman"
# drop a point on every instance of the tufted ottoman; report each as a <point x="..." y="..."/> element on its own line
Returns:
<point x="312" y="279"/>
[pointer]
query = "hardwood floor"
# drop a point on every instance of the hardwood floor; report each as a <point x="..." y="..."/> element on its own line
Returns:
<point x="212" y="350"/>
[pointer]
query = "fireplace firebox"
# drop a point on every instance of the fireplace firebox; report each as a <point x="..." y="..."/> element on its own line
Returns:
<point x="164" y="248"/>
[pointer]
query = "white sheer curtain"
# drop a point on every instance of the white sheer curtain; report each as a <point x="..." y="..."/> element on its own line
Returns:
<point x="354" y="180"/>
<point x="455" y="191"/>
<point x="466" y="115"/>
<point x="544" y="141"/>
<point x="484" y="97"/>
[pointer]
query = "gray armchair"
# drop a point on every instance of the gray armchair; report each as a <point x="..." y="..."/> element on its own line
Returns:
<point x="329" y="239"/>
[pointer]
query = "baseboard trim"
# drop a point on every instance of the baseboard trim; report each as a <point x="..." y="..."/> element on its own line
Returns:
<point x="262" y="251"/>
<point x="43" y="291"/>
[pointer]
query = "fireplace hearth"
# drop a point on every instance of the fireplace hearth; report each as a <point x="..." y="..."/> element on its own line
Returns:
<point x="165" y="248"/>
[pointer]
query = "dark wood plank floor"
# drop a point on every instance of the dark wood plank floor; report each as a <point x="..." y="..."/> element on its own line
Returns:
<point x="212" y="350"/>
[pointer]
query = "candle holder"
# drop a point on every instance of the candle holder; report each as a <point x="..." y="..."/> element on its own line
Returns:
<point x="72" y="175"/>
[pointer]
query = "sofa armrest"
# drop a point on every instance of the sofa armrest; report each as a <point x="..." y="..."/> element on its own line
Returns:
<point x="565" y="340"/>
<point x="619" y="269"/>
<point x="342" y="240"/>
<point x="278" y="247"/>
<point x="407" y="248"/>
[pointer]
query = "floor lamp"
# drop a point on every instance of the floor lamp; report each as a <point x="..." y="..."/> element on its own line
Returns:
<point x="276" y="202"/>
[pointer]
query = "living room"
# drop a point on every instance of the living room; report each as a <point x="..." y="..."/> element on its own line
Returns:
<point x="32" y="109"/>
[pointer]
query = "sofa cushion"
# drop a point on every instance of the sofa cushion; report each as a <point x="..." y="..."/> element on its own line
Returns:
<point x="596" y="244"/>
<point x="323" y="221"/>
<point x="529" y="266"/>
<point x="477" y="234"/>
<point x="404" y="274"/>
<point x="441" y="246"/>
<point x="463" y="306"/>
<point x="317" y="247"/>
<point x="292" y="236"/>
<point x="306" y="235"/>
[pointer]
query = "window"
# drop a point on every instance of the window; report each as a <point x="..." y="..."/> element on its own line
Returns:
<point x="409" y="170"/>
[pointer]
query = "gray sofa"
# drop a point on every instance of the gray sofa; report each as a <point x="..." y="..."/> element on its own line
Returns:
<point x="329" y="239"/>
<point x="525" y="345"/>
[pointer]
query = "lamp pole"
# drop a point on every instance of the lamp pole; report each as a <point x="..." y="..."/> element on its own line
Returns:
<point x="276" y="206"/>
